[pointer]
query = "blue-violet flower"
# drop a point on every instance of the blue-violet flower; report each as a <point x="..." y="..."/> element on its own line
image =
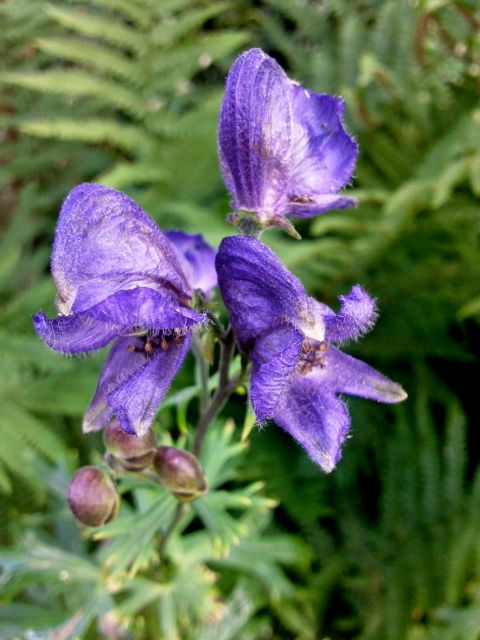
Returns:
<point x="297" y="371"/>
<point x="283" y="149"/>
<point x="118" y="277"/>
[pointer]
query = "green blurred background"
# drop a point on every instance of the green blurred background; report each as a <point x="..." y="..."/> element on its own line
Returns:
<point x="127" y="92"/>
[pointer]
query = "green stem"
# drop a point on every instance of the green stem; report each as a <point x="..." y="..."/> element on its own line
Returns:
<point x="210" y="411"/>
<point x="202" y="373"/>
<point x="222" y="393"/>
<point x="177" y="516"/>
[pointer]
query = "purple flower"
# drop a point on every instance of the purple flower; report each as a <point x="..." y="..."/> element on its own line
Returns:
<point x="297" y="371"/>
<point x="283" y="149"/>
<point x="120" y="278"/>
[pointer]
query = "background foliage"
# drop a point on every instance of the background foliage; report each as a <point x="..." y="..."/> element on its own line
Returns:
<point x="126" y="92"/>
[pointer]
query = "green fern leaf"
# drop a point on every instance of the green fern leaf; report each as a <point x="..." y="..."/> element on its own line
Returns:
<point x="92" y="54"/>
<point x="97" y="26"/>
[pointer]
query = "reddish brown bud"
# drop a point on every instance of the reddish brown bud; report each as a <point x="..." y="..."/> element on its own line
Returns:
<point x="134" y="453"/>
<point x="180" y="472"/>
<point x="92" y="497"/>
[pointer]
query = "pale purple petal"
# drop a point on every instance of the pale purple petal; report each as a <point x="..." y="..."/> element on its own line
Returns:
<point x="316" y="418"/>
<point x="306" y="207"/>
<point x="197" y="259"/>
<point x="357" y="316"/>
<point x="323" y="155"/>
<point x="133" y="383"/>
<point x="103" y="236"/>
<point x="283" y="149"/>
<point x="342" y="373"/>
<point x="274" y="358"/>
<point x="127" y="311"/>
<point x="259" y="292"/>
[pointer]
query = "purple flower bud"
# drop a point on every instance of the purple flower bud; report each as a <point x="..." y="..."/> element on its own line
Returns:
<point x="180" y="472"/>
<point x="133" y="452"/>
<point x="92" y="497"/>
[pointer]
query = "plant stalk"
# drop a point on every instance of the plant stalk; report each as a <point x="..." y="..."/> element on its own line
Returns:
<point x="211" y="407"/>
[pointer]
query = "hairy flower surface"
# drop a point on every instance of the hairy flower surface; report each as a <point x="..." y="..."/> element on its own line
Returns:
<point x="283" y="149"/>
<point x="118" y="277"/>
<point x="297" y="371"/>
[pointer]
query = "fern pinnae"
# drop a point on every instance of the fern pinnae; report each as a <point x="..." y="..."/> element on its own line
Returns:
<point x="97" y="26"/>
<point x="131" y="10"/>
<point x="91" y="54"/>
<point x="179" y="26"/>
<point x="96" y="130"/>
<point x="80" y="83"/>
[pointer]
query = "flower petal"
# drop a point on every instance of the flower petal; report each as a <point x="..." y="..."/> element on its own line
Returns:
<point x="145" y="309"/>
<point x="308" y="206"/>
<point x="322" y="154"/>
<point x="283" y="149"/>
<point x="132" y="384"/>
<point x="342" y="373"/>
<point x="136" y="401"/>
<point x="316" y="418"/>
<point x="260" y="293"/>
<point x="197" y="259"/>
<point x="73" y="334"/>
<point x="126" y="357"/>
<point x="127" y="311"/>
<point x="247" y="129"/>
<point x="103" y="235"/>
<point x="357" y="316"/>
<point x="274" y="358"/>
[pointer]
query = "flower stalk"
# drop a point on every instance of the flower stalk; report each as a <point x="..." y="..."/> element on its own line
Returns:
<point x="212" y="408"/>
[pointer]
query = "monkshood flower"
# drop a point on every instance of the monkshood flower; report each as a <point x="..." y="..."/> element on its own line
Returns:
<point x="297" y="371"/>
<point x="119" y="278"/>
<point x="283" y="149"/>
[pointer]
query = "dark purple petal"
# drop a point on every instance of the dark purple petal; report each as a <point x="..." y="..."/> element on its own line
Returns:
<point x="127" y="311"/>
<point x="283" y="149"/>
<point x="197" y="259"/>
<point x="316" y="418"/>
<point x="248" y="132"/>
<point x="136" y="401"/>
<point x="342" y="373"/>
<point x="260" y="293"/>
<point x="133" y="383"/>
<point x="126" y="357"/>
<point x="357" y="315"/>
<point x="103" y="236"/>
<point x="274" y="358"/>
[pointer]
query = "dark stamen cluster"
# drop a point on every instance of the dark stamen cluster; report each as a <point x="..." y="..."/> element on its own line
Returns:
<point x="152" y="342"/>
<point x="312" y="355"/>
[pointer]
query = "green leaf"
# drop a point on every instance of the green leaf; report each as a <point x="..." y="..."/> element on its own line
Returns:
<point x="96" y="25"/>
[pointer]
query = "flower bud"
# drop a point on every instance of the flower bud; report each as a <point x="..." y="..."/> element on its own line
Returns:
<point x="180" y="472"/>
<point x="92" y="497"/>
<point x="133" y="452"/>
